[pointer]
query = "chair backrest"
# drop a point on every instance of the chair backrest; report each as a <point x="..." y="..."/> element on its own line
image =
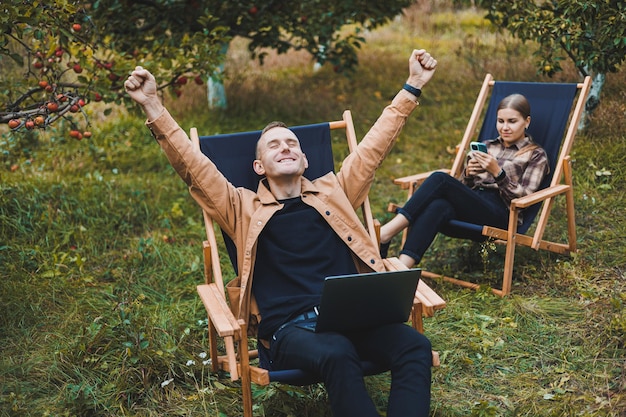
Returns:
<point x="233" y="154"/>
<point x="551" y="105"/>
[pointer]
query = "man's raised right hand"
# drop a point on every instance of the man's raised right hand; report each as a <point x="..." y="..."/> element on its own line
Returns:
<point x="142" y="88"/>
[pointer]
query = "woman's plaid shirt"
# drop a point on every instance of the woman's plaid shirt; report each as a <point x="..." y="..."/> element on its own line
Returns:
<point x="525" y="170"/>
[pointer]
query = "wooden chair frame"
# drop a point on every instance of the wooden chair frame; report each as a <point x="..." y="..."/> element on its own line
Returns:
<point x="561" y="184"/>
<point x="222" y="324"/>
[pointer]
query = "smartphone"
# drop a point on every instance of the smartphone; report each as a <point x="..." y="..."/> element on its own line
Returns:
<point x="478" y="146"/>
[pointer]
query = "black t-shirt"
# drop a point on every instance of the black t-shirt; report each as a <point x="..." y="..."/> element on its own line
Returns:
<point x="296" y="251"/>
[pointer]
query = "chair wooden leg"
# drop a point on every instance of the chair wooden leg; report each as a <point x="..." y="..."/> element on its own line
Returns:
<point x="246" y="389"/>
<point x="231" y="357"/>
<point x="416" y="317"/>
<point x="213" y="354"/>
<point x="507" y="278"/>
<point x="246" y="381"/>
<point x="510" y="253"/>
<point x="417" y="321"/>
<point x="436" y="360"/>
<point x="569" y="205"/>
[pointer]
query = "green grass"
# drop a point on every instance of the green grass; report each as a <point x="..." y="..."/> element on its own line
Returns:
<point x="100" y="250"/>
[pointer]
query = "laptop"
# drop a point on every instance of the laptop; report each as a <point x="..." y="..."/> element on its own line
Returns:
<point x="359" y="301"/>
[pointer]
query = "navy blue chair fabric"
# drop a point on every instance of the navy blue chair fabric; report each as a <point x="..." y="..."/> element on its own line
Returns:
<point x="301" y="378"/>
<point x="550" y="105"/>
<point x="233" y="153"/>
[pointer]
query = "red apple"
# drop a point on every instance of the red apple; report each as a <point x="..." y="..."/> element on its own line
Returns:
<point x="29" y="124"/>
<point x="38" y="64"/>
<point x="182" y="80"/>
<point x="198" y="80"/>
<point x="77" y="27"/>
<point x="76" y="134"/>
<point x="86" y="134"/>
<point x="52" y="107"/>
<point x="14" y="123"/>
<point x="74" y="108"/>
<point x="77" y="68"/>
<point x="97" y="97"/>
<point x="40" y="120"/>
<point x="43" y="83"/>
<point x="253" y="10"/>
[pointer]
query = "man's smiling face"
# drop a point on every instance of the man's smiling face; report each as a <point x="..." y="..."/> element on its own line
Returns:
<point x="279" y="154"/>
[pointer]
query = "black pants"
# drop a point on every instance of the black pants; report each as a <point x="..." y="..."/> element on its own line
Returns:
<point x="336" y="358"/>
<point x="442" y="198"/>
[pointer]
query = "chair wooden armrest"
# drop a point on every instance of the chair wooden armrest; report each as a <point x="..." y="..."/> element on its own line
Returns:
<point x="220" y="314"/>
<point x="539" y="196"/>
<point x="416" y="179"/>
<point x="223" y="320"/>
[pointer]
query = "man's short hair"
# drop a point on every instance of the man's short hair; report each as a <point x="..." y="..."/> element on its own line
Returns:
<point x="270" y="125"/>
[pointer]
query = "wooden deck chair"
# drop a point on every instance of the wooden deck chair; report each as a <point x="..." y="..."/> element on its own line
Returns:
<point x="553" y="125"/>
<point x="233" y="155"/>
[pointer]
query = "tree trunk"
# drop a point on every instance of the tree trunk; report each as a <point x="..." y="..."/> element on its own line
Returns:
<point x="216" y="94"/>
<point x="597" y="82"/>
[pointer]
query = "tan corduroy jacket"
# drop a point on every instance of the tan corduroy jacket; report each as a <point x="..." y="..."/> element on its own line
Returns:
<point x="243" y="213"/>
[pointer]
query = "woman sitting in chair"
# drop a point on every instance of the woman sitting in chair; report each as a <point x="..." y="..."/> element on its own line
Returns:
<point x="512" y="167"/>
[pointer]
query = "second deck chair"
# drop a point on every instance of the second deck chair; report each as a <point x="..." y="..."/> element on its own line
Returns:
<point x="233" y="155"/>
<point x="553" y="125"/>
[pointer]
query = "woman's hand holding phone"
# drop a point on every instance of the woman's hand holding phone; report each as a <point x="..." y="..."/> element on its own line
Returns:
<point x="473" y="167"/>
<point x="485" y="161"/>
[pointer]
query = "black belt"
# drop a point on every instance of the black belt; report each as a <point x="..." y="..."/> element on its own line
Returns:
<point x="305" y="316"/>
<point x="314" y="312"/>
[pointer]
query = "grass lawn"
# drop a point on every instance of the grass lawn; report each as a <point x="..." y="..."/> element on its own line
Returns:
<point x="100" y="248"/>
